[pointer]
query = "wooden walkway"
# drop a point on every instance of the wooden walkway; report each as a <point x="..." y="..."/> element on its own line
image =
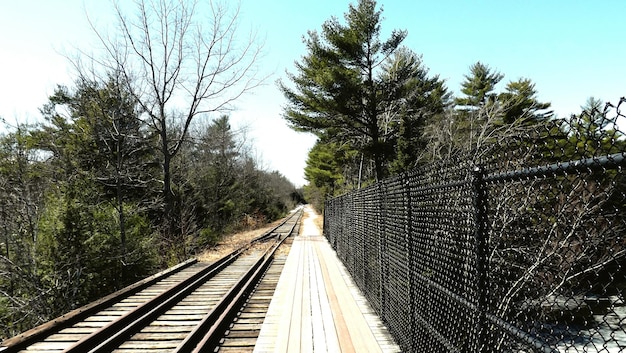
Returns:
<point x="317" y="307"/>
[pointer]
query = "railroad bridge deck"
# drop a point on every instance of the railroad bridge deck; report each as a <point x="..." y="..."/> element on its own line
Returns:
<point x="317" y="307"/>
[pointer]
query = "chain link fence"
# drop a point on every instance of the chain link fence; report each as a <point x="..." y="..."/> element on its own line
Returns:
<point x="519" y="248"/>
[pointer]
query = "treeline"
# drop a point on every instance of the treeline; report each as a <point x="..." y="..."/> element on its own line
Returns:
<point x="135" y="167"/>
<point x="378" y="111"/>
<point x="81" y="202"/>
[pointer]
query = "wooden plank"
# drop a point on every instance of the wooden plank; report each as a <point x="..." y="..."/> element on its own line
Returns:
<point x="252" y="315"/>
<point x="306" y="325"/>
<point x="90" y="324"/>
<point x="316" y="303"/>
<point x="239" y="342"/>
<point x="72" y="330"/>
<point x="383" y="337"/>
<point x="319" y="335"/>
<point x="244" y="334"/>
<point x="194" y="317"/>
<point x="101" y="318"/>
<point x="142" y="336"/>
<point x="132" y="350"/>
<point x="275" y="330"/>
<point x="361" y="337"/>
<point x="250" y="327"/>
<point x="49" y="346"/>
<point x="144" y="345"/>
<point x="166" y="329"/>
<point x="295" y="319"/>
<point x="327" y="318"/>
<point x="250" y="321"/>
<point x="65" y="337"/>
<point x="173" y="323"/>
<point x="234" y="350"/>
<point x="343" y="334"/>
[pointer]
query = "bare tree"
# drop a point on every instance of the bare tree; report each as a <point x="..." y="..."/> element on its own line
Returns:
<point x="475" y="134"/>
<point x="181" y="59"/>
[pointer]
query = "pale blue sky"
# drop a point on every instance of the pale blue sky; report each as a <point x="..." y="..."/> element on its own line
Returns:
<point x="571" y="49"/>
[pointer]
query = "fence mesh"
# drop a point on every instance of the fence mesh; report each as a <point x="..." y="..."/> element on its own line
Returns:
<point x="518" y="248"/>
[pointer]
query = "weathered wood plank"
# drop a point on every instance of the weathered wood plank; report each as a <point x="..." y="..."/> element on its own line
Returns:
<point x="239" y="342"/>
<point x="161" y="344"/>
<point x="314" y="308"/>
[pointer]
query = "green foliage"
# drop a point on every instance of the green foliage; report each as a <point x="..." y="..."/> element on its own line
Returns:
<point x="592" y="133"/>
<point x="323" y="169"/>
<point x="484" y="117"/>
<point x="414" y="99"/>
<point x="478" y="86"/>
<point x="22" y="184"/>
<point x="96" y="196"/>
<point x="209" y="237"/>
<point x="354" y="89"/>
<point x="520" y="102"/>
<point x="221" y="188"/>
<point x="315" y="196"/>
<point x="338" y="89"/>
<point x="84" y="196"/>
<point x="79" y="209"/>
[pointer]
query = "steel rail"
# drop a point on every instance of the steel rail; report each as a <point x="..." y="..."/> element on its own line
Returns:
<point x="40" y="332"/>
<point x="206" y="336"/>
<point x="134" y="320"/>
<point x="270" y="233"/>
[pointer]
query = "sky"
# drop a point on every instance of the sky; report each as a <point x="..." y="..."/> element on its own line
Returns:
<point x="570" y="49"/>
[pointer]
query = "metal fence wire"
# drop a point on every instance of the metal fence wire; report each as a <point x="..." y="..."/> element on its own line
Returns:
<point x="518" y="248"/>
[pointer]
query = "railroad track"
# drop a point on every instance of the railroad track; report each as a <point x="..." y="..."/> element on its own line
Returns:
<point x="187" y="308"/>
<point x="244" y="329"/>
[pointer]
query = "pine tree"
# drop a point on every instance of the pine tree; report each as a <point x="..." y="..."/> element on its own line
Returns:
<point x="520" y="102"/>
<point x="412" y="99"/>
<point x="338" y="88"/>
<point x="478" y="86"/>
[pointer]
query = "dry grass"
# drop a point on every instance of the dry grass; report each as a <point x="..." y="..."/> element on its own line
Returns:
<point x="319" y="222"/>
<point x="233" y="241"/>
<point x="305" y="216"/>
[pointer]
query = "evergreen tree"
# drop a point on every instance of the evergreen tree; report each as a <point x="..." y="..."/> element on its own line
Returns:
<point x="215" y="175"/>
<point x="110" y="143"/>
<point x="592" y="132"/>
<point x="338" y="88"/>
<point x="412" y="99"/>
<point x="22" y="188"/>
<point x="93" y="234"/>
<point x="478" y="86"/>
<point x="322" y="167"/>
<point x="519" y="101"/>
<point x="470" y="125"/>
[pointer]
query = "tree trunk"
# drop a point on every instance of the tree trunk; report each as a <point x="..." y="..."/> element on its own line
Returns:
<point x="360" y="171"/>
<point x="378" y="162"/>
<point x="377" y="152"/>
<point x="120" y="204"/>
<point x="168" y="196"/>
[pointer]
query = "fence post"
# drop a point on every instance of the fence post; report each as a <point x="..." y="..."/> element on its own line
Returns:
<point x="411" y="253"/>
<point x="383" y="252"/>
<point x="325" y="221"/>
<point x="479" y="204"/>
